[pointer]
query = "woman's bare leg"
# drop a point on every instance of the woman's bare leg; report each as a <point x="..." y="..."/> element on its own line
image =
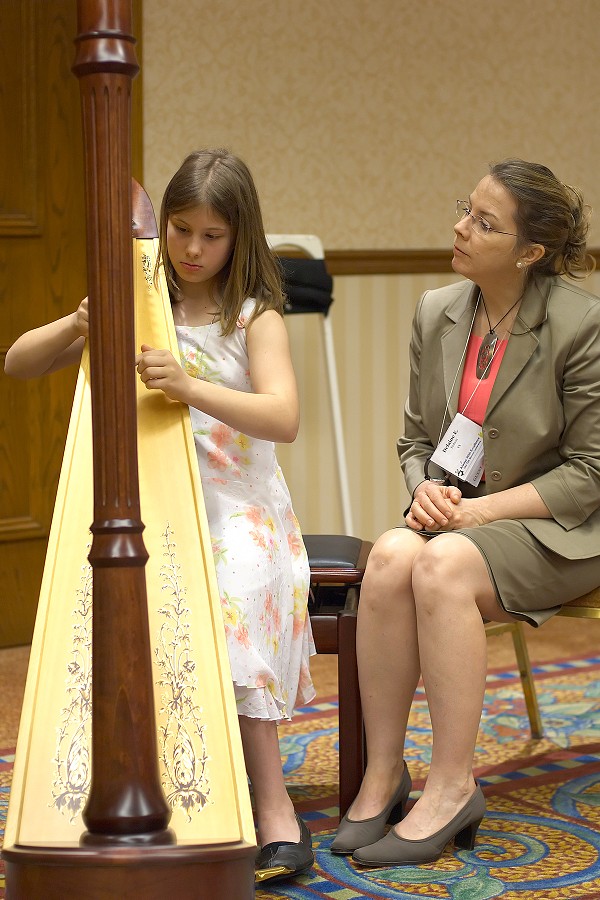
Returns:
<point x="275" y="816"/>
<point x="388" y="664"/>
<point x="453" y="593"/>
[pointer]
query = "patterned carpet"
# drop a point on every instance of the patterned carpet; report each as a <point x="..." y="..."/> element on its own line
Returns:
<point x="540" y="839"/>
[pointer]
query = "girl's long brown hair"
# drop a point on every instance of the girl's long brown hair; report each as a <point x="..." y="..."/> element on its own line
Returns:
<point x="222" y="182"/>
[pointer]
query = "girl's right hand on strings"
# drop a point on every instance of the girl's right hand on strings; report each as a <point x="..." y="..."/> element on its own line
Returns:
<point x="159" y="370"/>
<point x="432" y="506"/>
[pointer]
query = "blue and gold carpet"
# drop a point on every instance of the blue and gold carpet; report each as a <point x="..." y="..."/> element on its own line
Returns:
<point x="540" y="839"/>
<point x="541" y="835"/>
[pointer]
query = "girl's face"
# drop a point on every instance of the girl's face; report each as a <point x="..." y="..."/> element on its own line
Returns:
<point x="199" y="244"/>
<point x="480" y="256"/>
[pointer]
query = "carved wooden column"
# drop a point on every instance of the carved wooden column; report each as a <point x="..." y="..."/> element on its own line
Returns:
<point x="125" y="797"/>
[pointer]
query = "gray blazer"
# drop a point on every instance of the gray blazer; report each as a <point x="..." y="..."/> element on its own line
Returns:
<point x="542" y="423"/>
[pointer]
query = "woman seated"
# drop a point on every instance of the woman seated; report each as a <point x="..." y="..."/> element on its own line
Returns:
<point x="505" y="396"/>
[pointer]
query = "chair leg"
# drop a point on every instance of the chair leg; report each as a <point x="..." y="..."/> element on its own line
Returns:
<point x="340" y="443"/>
<point x="529" y="691"/>
<point x="527" y="681"/>
<point x="351" y="735"/>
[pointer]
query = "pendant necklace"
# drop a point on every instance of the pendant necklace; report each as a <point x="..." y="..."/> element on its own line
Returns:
<point x="209" y="327"/>
<point x="208" y="331"/>
<point x="489" y="341"/>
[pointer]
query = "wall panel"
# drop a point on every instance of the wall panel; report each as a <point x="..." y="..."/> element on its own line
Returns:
<point x="364" y="120"/>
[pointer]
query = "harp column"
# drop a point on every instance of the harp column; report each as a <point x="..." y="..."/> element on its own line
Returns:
<point x="125" y="797"/>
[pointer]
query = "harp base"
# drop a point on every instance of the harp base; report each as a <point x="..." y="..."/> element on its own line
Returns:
<point x="212" y="872"/>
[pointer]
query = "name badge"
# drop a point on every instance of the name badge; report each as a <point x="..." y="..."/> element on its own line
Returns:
<point x="460" y="451"/>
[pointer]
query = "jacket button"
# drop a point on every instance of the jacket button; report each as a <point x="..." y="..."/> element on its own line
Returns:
<point x="496" y="476"/>
<point x="493" y="433"/>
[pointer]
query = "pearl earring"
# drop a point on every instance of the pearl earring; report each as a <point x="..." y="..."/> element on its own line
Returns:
<point x="520" y="264"/>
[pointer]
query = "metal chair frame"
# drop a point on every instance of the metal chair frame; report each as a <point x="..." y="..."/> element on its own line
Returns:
<point x="311" y="245"/>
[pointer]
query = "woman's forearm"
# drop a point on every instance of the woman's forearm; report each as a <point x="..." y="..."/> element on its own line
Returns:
<point x="521" y="502"/>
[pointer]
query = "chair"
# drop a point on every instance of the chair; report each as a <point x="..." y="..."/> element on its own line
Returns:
<point x="335" y="587"/>
<point x="585" y="607"/>
<point x="531" y="702"/>
<point x="337" y="565"/>
<point x="308" y="286"/>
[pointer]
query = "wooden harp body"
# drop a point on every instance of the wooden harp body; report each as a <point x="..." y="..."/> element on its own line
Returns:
<point x="199" y="748"/>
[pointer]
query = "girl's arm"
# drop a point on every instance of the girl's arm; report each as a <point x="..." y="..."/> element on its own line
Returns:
<point x="50" y="347"/>
<point x="270" y="412"/>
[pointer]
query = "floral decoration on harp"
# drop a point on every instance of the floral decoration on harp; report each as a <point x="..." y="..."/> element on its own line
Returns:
<point x="147" y="269"/>
<point x="72" y="761"/>
<point x="181" y="735"/>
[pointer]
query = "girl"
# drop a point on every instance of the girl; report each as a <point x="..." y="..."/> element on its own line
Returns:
<point x="237" y="378"/>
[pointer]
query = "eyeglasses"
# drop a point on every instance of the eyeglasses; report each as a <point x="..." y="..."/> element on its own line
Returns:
<point x="480" y="225"/>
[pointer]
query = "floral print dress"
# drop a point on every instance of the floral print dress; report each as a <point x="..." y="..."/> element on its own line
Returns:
<point x="260" y="558"/>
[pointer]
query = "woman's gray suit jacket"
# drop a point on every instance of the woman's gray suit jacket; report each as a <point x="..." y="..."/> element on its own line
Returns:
<point x="542" y="423"/>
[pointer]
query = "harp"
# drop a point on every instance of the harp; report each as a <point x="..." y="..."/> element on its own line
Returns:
<point x="129" y="778"/>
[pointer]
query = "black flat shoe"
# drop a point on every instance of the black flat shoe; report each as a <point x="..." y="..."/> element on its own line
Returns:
<point x="284" y="859"/>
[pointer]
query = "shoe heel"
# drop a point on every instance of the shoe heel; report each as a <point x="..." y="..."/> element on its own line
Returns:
<point x="465" y="839"/>
<point x="396" y="813"/>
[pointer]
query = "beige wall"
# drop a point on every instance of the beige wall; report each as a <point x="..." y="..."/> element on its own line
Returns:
<point x="363" y="121"/>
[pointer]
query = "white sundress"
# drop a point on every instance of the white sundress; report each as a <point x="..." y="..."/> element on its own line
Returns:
<point x="261" y="562"/>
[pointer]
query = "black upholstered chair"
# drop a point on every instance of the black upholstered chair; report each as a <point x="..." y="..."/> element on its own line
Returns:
<point x="337" y="565"/>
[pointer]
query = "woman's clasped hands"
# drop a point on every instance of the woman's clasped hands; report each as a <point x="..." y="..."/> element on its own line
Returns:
<point x="441" y="507"/>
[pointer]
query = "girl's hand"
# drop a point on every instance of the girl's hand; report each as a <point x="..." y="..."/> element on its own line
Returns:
<point x="50" y="347"/>
<point x="82" y="318"/>
<point x="159" y="370"/>
<point x="433" y="507"/>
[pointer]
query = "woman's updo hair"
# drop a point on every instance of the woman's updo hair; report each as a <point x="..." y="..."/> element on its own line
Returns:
<point x="549" y="213"/>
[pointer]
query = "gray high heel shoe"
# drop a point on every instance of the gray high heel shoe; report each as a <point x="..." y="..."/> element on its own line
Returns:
<point x="396" y="851"/>
<point x="355" y="833"/>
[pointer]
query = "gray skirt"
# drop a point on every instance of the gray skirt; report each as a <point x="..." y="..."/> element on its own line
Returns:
<point x="531" y="581"/>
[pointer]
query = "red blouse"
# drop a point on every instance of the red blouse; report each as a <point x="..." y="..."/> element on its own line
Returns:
<point x="475" y="407"/>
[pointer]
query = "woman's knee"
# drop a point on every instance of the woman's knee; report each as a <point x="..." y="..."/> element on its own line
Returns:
<point x="389" y="567"/>
<point x="438" y="556"/>
<point x="449" y="569"/>
<point x="392" y="554"/>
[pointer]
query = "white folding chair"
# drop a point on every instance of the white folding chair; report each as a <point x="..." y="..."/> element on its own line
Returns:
<point x="311" y="245"/>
